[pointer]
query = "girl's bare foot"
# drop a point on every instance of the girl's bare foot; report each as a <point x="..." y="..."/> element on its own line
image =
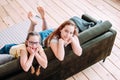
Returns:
<point x="30" y="17"/>
<point x="38" y="71"/>
<point x="41" y="11"/>
<point x="32" y="70"/>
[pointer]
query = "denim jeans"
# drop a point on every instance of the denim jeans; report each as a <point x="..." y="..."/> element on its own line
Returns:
<point x="5" y="49"/>
<point x="44" y="34"/>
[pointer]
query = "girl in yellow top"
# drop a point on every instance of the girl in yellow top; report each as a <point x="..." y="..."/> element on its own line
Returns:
<point x="32" y="47"/>
<point x="27" y="52"/>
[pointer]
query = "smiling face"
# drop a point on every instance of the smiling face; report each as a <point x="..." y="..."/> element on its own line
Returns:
<point x="67" y="32"/>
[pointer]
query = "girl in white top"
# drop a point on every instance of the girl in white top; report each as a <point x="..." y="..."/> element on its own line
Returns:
<point x="65" y="34"/>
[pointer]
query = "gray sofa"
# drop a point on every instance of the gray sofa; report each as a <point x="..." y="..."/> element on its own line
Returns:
<point x="96" y="42"/>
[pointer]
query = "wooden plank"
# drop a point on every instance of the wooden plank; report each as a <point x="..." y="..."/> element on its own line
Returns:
<point x="63" y="12"/>
<point x="117" y="42"/>
<point x="11" y="12"/>
<point x="71" y="78"/>
<point x="2" y="25"/>
<point x="80" y="76"/>
<point x="113" y="70"/>
<point x="5" y="17"/>
<point x="3" y="2"/>
<point x="114" y="60"/>
<point x="91" y="74"/>
<point x="102" y="72"/>
<point x="21" y="12"/>
<point x="85" y="7"/>
<point x="52" y="10"/>
<point x="116" y="51"/>
<point x="68" y="12"/>
<point x="25" y="6"/>
<point x="114" y="3"/>
<point x="73" y="9"/>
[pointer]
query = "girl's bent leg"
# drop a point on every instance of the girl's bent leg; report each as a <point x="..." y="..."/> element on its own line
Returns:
<point x="33" y="22"/>
<point x="42" y="13"/>
<point x="5" y="49"/>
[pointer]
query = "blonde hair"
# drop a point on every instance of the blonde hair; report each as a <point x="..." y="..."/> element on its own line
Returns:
<point x="57" y="31"/>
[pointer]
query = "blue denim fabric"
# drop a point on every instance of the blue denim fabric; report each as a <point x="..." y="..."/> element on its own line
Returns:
<point x="5" y="49"/>
<point x="44" y="34"/>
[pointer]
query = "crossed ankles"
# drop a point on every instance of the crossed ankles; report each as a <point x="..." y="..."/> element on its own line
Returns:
<point x="37" y="72"/>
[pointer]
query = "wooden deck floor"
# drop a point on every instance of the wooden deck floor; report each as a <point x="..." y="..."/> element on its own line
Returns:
<point x="57" y="11"/>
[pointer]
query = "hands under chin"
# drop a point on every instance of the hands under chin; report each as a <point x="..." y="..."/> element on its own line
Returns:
<point x="67" y="41"/>
<point x="32" y="50"/>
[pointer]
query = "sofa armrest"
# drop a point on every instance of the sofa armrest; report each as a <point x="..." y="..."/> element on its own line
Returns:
<point x="94" y="31"/>
<point x="88" y="18"/>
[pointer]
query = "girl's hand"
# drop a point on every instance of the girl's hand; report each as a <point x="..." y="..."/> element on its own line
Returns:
<point x="69" y="41"/>
<point x="62" y="41"/>
<point x="30" y="50"/>
<point x="39" y="49"/>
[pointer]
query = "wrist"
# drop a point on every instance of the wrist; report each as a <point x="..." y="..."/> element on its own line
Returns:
<point x="61" y="41"/>
<point x="32" y="54"/>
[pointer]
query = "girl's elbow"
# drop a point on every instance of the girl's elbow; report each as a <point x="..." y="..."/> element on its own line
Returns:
<point x="79" y="53"/>
<point x="60" y="58"/>
<point x="25" y="69"/>
<point x="45" y="65"/>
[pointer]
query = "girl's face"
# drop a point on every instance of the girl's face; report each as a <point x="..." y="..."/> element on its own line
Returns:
<point x="67" y="32"/>
<point x="33" y="42"/>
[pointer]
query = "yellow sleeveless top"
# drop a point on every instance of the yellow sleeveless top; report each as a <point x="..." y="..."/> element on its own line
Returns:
<point x="15" y="50"/>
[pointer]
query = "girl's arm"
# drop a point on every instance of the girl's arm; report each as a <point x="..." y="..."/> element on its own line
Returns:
<point x="58" y="49"/>
<point x="41" y="57"/>
<point x="76" y="45"/>
<point x="26" y="62"/>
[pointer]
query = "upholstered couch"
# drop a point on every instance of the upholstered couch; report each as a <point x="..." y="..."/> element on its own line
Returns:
<point x="96" y="42"/>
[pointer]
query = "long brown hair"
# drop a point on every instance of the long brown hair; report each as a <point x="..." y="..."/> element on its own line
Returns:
<point x="57" y="31"/>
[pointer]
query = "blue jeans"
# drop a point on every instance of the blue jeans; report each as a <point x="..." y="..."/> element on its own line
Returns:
<point x="5" y="49"/>
<point x="44" y="34"/>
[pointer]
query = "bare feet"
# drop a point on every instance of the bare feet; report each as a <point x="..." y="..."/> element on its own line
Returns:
<point x="41" y="11"/>
<point x="38" y="71"/>
<point x="32" y="70"/>
<point x="31" y="18"/>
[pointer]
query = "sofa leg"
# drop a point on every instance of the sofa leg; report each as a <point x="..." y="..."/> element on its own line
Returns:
<point x="104" y="59"/>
